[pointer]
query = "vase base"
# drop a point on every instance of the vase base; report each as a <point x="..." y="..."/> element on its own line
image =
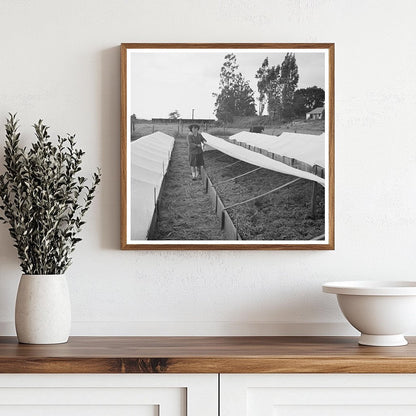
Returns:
<point x="382" y="340"/>
<point x="43" y="342"/>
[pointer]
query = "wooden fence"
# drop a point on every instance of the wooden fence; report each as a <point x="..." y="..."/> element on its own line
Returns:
<point x="290" y="161"/>
<point x="227" y="225"/>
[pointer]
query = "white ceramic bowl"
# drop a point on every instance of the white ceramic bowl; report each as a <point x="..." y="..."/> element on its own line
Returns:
<point x="381" y="311"/>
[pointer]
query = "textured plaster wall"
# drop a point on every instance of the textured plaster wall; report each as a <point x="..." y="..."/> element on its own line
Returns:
<point x="60" y="62"/>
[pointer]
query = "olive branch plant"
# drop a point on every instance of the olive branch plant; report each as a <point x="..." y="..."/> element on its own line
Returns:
<point x="44" y="198"/>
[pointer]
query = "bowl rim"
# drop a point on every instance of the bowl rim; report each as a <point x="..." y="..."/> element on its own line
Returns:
<point x="371" y="288"/>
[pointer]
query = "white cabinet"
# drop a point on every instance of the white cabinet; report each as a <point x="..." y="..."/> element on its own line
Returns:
<point x="317" y="394"/>
<point x="197" y="394"/>
<point x="109" y="394"/>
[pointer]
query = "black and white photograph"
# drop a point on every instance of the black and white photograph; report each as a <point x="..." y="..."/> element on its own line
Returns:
<point x="227" y="146"/>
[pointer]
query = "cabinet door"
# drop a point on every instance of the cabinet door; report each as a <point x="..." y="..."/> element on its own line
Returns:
<point x="108" y="395"/>
<point x="318" y="394"/>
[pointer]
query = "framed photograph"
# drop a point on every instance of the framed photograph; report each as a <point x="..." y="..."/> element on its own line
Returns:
<point x="227" y="146"/>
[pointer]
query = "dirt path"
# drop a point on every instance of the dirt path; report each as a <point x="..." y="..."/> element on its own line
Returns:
<point x="185" y="211"/>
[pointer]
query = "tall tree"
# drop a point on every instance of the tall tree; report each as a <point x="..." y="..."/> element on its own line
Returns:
<point x="262" y="84"/>
<point x="174" y="115"/>
<point x="274" y="92"/>
<point x="289" y="78"/>
<point x="269" y="88"/>
<point x="133" y="119"/>
<point x="235" y="97"/>
<point x="276" y="86"/>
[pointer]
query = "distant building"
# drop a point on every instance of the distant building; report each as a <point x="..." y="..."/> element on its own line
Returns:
<point x="317" y="113"/>
<point x="202" y="121"/>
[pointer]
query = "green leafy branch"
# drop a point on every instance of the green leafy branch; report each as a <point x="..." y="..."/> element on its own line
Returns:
<point x="44" y="198"/>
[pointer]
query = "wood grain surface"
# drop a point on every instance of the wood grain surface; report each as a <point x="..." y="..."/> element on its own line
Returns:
<point x="206" y="355"/>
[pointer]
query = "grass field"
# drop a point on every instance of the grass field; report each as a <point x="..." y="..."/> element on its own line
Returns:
<point x="142" y="129"/>
<point x="298" y="126"/>
<point x="282" y="215"/>
<point x="186" y="213"/>
<point x="184" y="210"/>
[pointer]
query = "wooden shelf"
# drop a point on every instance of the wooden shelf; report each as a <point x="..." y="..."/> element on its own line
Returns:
<point x="206" y="355"/>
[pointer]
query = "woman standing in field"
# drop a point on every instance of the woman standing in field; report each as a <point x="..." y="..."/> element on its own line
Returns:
<point x="195" y="147"/>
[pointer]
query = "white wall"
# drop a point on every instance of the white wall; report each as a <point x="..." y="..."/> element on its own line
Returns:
<point x="60" y="62"/>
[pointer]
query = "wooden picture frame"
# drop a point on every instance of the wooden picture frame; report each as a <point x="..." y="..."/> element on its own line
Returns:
<point x="130" y="71"/>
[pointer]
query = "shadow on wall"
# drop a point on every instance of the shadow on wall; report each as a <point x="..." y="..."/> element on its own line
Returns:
<point x="110" y="147"/>
<point x="266" y="317"/>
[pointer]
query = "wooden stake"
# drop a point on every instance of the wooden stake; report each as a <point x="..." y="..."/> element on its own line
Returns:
<point x="314" y="193"/>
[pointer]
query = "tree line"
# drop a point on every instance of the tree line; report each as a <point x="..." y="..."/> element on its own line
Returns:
<point x="277" y="88"/>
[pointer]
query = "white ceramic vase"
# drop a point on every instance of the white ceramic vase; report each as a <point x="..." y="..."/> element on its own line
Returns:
<point x="43" y="309"/>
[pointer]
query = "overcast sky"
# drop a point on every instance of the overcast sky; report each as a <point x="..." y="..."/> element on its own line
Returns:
<point x="162" y="82"/>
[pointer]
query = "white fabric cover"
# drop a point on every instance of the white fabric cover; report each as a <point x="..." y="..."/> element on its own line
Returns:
<point x="150" y="156"/>
<point x="306" y="148"/>
<point x="257" y="159"/>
